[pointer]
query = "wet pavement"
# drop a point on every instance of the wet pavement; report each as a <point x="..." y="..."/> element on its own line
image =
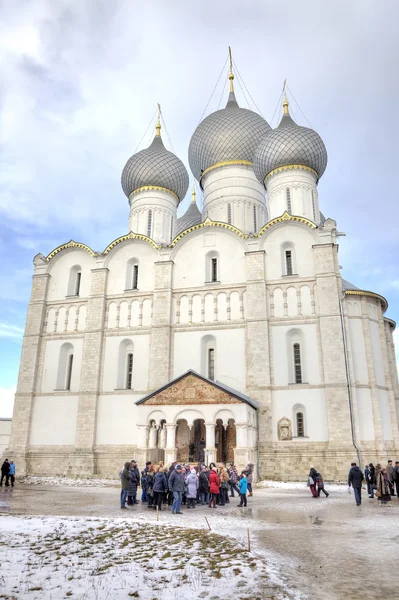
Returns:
<point x="325" y="547"/>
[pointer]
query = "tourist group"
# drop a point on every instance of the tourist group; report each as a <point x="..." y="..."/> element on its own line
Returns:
<point x="181" y="484"/>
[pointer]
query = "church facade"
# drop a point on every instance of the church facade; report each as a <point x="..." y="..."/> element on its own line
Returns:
<point x="226" y="334"/>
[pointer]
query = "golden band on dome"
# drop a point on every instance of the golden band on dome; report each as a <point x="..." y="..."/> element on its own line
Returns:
<point x="146" y="188"/>
<point x="225" y="163"/>
<point x="286" y="167"/>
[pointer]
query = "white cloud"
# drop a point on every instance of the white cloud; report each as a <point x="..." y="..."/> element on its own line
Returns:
<point x="6" y="402"/>
<point x="11" y="331"/>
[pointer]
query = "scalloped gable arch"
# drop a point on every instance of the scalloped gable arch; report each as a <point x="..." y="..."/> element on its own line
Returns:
<point x="130" y="236"/>
<point x="286" y="218"/>
<point x="70" y="245"/>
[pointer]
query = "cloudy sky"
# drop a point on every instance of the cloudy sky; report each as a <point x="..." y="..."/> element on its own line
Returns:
<point x="79" y="83"/>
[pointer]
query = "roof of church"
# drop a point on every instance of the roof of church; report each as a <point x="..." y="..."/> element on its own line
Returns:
<point x="217" y="384"/>
<point x="192" y="216"/>
<point x="346" y="285"/>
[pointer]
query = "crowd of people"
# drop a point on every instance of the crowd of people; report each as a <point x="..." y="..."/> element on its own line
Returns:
<point x="178" y="485"/>
<point x="382" y="482"/>
<point x="8" y="473"/>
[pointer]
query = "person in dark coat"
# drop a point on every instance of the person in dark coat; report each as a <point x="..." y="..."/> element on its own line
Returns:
<point x="134" y="483"/>
<point x="150" y="485"/>
<point x="203" y="487"/>
<point x="159" y="488"/>
<point x="5" y="470"/>
<point x="389" y="469"/>
<point x="233" y="480"/>
<point x="396" y="477"/>
<point x="355" y="479"/>
<point x="177" y="486"/>
<point x="125" y="482"/>
<point x="312" y="482"/>
<point x="371" y="480"/>
<point x="320" y="485"/>
<point x="214" y="487"/>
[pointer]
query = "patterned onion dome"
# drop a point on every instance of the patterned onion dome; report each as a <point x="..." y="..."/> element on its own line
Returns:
<point x="290" y="144"/>
<point x="230" y="134"/>
<point x="191" y="217"/>
<point x="155" y="167"/>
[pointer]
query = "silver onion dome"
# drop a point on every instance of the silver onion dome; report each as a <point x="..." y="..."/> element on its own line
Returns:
<point x="290" y="144"/>
<point x="230" y="134"/>
<point x="191" y="217"/>
<point x="155" y="166"/>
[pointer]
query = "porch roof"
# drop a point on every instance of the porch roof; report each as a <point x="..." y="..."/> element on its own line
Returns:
<point x="217" y="384"/>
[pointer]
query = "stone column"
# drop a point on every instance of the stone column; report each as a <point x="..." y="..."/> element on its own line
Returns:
<point x="142" y="436"/>
<point x="28" y="371"/>
<point x="210" y="450"/>
<point x="82" y="461"/>
<point x="258" y="353"/>
<point x="160" y="339"/>
<point x="170" y="450"/>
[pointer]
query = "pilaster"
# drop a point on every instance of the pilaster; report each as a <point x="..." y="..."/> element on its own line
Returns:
<point x="160" y="339"/>
<point x="31" y="346"/>
<point x="82" y="461"/>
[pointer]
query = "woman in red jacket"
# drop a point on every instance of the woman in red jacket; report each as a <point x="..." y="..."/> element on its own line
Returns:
<point x="214" y="487"/>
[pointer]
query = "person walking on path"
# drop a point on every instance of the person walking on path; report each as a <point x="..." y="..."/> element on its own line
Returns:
<point x="125" y="482"/>
<point x="383" y="487"/>
<point x="11" y="473"/>
<point x="203" y="487"/>
<point x="159" y="488"/>
<point x="5" y="470"/>
<point x="355" y="479"/>
<point x="150" y="485"/>
<point x="396" y="477"/>
<point x="312" y="482"/>
<point x="214" y="487"/>
<point x="243" y="486"/>
<point x="320" y="485"/>
<point x="176" y="485"/>
<point x="233" y="480"/>
<point x="248" y="471"/>
<point x="192" y="484"/>
<point x="390" y="476"/>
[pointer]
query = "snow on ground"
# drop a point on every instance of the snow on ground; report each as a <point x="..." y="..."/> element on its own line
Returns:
<point x="300" y="485"/>
<point x="49" y="558"/>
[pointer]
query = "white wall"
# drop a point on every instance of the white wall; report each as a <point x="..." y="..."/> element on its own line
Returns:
<point x="385" y="414"/>
<point x="51" y="362"/>
<point x="301" y="183"/>
<point x="54" y="420"/>
<point x="229" y="359"/>
<point x="117" y="260"/>
<point x="190" y="258"/>
<point x="282" y="356"/>
<point x="59" y="270"/>
<point x="116" y="419"/>
<point x="358" y="351"/>
<point x="316" y="428"/>
<point x="365" y="414"/>
<point x="303" y="240"/>
<point x="141" y="345"/>
<point x="5" y="430"/>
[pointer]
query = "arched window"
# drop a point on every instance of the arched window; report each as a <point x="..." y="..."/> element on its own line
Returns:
<point x="149" y="223"/>
<point x="65" y="367"/>
<point x="229" y="213"/>
<point x="299" y="420"/>
<point x="132" y="274"/>
<point x="208" y="357"/>
<point x="75" y="278"/>
<point x="125" y="365"/>
<point x="212" y="268"/>
<point x="288" y="259"/>
<point x="297" y="363"/>
<point x="288" y="196"/>
<point x="300" y="425"/>
<point x="295" y="355"/>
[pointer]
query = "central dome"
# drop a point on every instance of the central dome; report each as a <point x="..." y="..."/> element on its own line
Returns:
<point x="230" y="134"/>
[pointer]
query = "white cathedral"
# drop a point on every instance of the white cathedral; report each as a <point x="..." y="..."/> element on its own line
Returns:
<point x="226" y="334"/>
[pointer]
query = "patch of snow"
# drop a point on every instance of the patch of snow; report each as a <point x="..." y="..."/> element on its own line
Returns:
<point x="300" y="485"/>
<point x="69" y="482"/>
